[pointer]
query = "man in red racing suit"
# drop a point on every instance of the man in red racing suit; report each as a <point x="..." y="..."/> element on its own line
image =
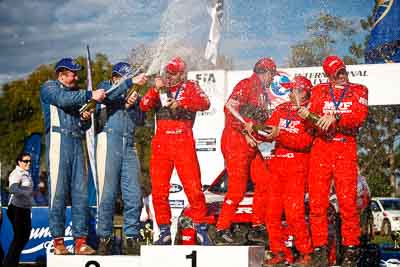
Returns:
<point x="247" y="105"/>
<point x="342" y="107"/>
<point x="173" y="146"/>
<point x="287" y="170"/>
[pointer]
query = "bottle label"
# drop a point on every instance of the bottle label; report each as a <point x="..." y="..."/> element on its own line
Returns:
<point x="164" y="99"/>
<point x="266" y="149"/>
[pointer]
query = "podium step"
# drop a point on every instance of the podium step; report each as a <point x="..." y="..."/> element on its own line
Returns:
<point x="93" y="261"/>
<point x="202" y="256"/>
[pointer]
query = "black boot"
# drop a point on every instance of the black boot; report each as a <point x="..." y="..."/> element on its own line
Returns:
<point x="105" y="246"/>
<point x="165" y="235"/>
<point x="257" y="234"/>
<point x="276" y="260"/>
<point x="351" y="256"/>
<point x="320" y="257"/>
<point x="202" y="234"/>
<point x="131" y="246"/>
<point x="224" y="237"/>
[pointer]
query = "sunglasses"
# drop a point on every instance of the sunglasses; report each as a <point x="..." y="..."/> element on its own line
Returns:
<point x="26" y="161"/>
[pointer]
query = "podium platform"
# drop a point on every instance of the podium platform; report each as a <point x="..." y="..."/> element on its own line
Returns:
<point x="93" y="261"/>
<point x="169" y="256"/>
<point x="202" y="256"/>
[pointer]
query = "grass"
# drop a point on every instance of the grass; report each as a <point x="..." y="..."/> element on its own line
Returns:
<point x="378" y="239"/>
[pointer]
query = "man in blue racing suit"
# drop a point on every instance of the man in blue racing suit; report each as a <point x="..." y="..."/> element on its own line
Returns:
<point x="117" y="162"/>
<point x="65" y="131"/>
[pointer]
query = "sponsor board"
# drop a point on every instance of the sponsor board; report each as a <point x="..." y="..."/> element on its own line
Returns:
<point x="40" y="241"/>
<point x="176" y="203"/>
<point x="175" y="188"/>
<point x="209" y="124"/>
<point x="206" y="144"/>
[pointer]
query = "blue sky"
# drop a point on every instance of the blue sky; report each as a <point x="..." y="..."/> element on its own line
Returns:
<point x="42" y="31"/>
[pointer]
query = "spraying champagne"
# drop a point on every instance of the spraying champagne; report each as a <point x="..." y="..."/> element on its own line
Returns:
<point x="91" y="104"/>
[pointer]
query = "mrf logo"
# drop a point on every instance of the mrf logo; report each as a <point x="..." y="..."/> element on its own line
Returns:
<point x="344" y="107"/>
<point x="290" y="126"/>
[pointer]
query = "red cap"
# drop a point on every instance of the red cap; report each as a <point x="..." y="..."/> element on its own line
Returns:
<point x="332" y="64"/>
<point x="264" y="64"/>
<point x="175" y="65"/>
<point x="300" y="82"/>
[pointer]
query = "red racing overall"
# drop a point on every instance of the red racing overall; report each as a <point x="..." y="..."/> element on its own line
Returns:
<point x="173" y="146"/>
<point x="334" y="155"/>
<point x="251" y="101"/>
<point x="287" y="173"/>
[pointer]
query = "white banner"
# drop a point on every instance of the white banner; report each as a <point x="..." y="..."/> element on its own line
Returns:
<point x="209" y="124"/>
<point x="382" y="80"/>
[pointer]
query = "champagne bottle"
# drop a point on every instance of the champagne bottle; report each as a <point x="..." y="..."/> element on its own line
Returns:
<point x="263" y="130"/>
<point x="313" y="117"/>
<point x="133" y="89"/>
<point x="90" y="105"/>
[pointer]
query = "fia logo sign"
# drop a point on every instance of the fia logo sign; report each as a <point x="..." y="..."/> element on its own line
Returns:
<point x="207" y="81"/>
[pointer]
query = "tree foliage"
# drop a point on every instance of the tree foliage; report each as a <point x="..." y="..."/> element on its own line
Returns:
<point x="379" y="158"/>
<point x="20" y="109"/>
<point x="20" y="113"/>
<point x="324" y="33"/>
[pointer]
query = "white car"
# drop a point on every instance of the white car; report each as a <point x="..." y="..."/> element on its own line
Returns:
<point x="386" y="212"/>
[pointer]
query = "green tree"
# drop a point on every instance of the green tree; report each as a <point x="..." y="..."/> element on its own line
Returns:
<point x="357" y="49"/>
<point x="20" y="109"/>
<point x="379" y="147"/>
<point x="20" y="113"/>
<point x="324" y="33"/>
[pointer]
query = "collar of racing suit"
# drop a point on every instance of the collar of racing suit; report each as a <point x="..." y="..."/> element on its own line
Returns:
<point x="173" y="89"/>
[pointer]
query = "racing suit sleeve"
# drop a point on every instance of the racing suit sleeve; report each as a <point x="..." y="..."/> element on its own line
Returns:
<point x="359" y="110"/>
<point x="50" y="93"/>
<point x="314" y="103"/>
<point x="235" y="100"/>
<point x="315" y="106"/>
<point x="118" y="95"/>
<point x="195" y="98"/>
<point x="150" y="100"/>
<point x="274" y="119"/>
